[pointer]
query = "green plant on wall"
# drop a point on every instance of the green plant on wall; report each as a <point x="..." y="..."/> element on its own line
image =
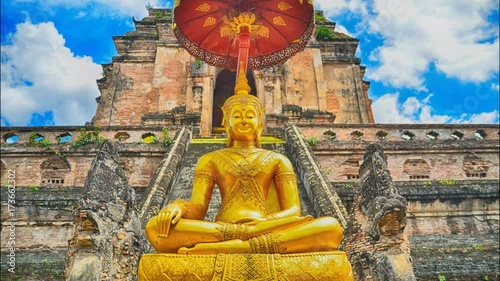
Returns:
<point x="448" y="182"/>
<point x="198" y="63"/>
<point x="160" y="15"/>
<point x="37" y="139"/>
<point x="60" y="154"/>
<point x="348" y="186"/>
<point x="150" y="139"/>
<point x="312" y="141"/>
<point x="324" y="33"/>
<point x="479" y="248"/>
<point x="167" y="139"/>
<point x="88" y="137"/>
<point x="441" y="278"/>
<point x="318" y="18"/>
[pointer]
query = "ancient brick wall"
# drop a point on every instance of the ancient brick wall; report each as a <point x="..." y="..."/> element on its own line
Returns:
<point x="452" y="227"/>
<point x="345" y="94"/>
<point x="415" y="152"/>
<point x="37" y="165"/>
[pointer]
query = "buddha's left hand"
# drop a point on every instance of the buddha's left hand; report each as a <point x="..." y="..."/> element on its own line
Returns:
<point x="170" y="215"/>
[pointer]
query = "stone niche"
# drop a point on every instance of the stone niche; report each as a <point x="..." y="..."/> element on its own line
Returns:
<point x="351" y="168"/>
<point x="417" y="168"/>
<point x="475" y="167"/>
<point x="54" y="171"/>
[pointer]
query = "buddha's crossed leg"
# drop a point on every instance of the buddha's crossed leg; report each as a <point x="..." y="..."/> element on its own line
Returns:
<point x="188" y="233"/>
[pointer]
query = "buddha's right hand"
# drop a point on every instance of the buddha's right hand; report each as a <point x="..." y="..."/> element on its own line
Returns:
<point x="170" y="215"/>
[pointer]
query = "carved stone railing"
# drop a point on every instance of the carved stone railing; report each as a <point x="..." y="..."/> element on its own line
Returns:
<point x="160" y="185"/>
<point x="337" y="133"/>
<point x="70" y="134"/>
<point x="325" y="202"/>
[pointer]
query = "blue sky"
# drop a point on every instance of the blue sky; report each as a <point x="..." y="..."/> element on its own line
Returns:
<point x="428" y="61"/>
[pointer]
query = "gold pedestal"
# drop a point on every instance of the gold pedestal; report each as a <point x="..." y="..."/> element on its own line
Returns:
<point x="332" y="265"/>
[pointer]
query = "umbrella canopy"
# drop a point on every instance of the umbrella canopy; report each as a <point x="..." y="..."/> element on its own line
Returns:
<point x="257" y="33"/>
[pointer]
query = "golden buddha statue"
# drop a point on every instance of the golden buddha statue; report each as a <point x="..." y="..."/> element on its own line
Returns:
<point x="247" y="221"/>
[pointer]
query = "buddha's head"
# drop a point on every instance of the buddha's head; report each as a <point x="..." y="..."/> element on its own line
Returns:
<point x="243" y="114"/>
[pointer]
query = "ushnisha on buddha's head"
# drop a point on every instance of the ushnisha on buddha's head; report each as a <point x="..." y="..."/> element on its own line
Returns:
<point x="243" y="114"/>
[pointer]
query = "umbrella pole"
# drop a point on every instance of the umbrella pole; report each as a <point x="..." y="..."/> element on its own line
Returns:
<point x="243" y="50"/>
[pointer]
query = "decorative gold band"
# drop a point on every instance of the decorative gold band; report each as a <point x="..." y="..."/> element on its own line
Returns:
<point x="264" y="244"/>
<point x="230" y="231"/>
<point x="284" y="176"/>
<point x="203" y="174"/>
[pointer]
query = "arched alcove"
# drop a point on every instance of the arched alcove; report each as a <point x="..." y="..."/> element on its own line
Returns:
<point x="224" y="88"/>
<point x="122" y="136"/>
<point x="351" y="168"/>
<point x="54" y="171"/>
<point x="475" y="167"/>
<point x="417" y="168"/>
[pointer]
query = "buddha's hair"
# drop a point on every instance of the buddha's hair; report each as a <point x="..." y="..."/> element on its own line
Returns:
<point x="242" y="97"/>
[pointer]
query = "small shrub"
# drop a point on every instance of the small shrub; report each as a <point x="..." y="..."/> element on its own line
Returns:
<point x="88" y="137"/>
<point x="39" y="140"/>
<point x="479" y="248"/>
<point x="45" y="144"/>
<point x="448" y="182"/>
<point x="167" y="139"/>
<point x="324" y="33"/>
<point x="441" y="278"/>
<point x="312" y="141"/>
<point x="33" y="188"/>
<point x="60" y="154"/>
<point x="319" y="18"/>
<point x="150" y="139"/>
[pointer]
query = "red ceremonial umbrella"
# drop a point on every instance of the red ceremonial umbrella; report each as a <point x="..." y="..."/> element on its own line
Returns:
<point x="259" y="33"/>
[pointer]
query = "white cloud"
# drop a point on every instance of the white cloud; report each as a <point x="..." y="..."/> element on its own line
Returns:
<point x="342" y="29"/>
<point x="126" y="8"/>
<point x="40" y="74"/>
<point x="484" y="118"/>
<point x="387" y="109"/>
<point x="333" y="8"/>
<point x="453" y="35"/>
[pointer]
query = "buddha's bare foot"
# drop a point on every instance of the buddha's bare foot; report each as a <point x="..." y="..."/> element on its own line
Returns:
<point x="276" y="224"/>
<point x="226" y="247"/>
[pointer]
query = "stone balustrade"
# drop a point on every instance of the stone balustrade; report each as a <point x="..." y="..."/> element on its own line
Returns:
<point x="399" y="132"/>
<point x="70" y="134"/>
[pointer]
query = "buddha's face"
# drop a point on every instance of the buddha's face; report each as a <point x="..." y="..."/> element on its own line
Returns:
<point x="244" y="123"/>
